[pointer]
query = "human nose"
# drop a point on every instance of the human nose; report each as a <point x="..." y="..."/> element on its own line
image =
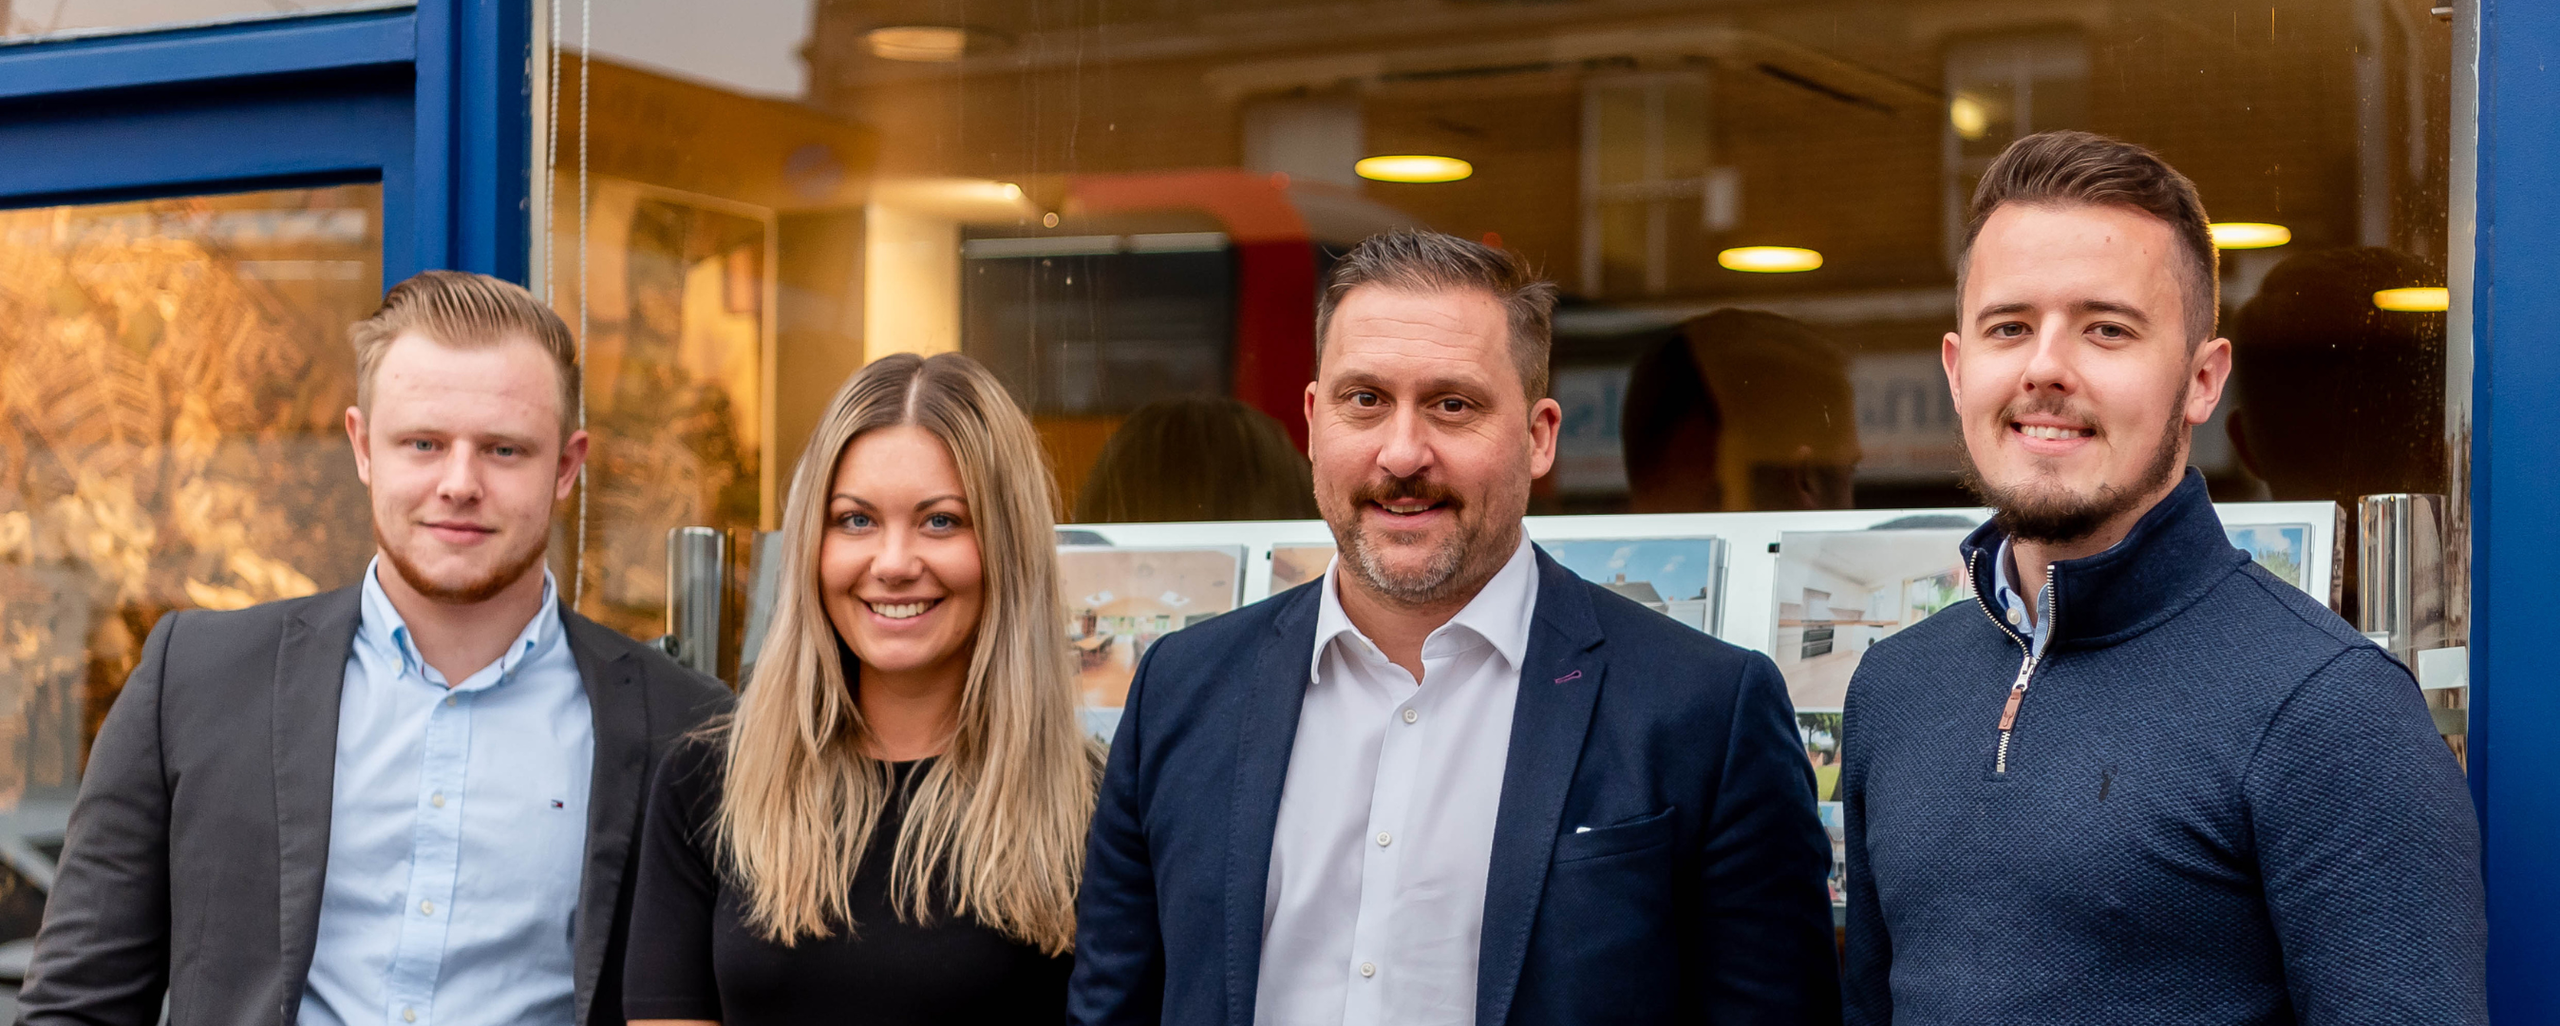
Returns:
<point x="1406" y="450"/>
<point x="898" y="561"/>
<point x="2051" y="360"/>
<point x="458" y="478"/>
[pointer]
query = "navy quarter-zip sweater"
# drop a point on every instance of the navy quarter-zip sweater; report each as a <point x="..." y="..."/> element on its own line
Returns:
<point x="2221" y="805"/>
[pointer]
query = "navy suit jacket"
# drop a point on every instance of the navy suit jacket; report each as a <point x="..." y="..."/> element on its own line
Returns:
<point x="1696" y="896"/>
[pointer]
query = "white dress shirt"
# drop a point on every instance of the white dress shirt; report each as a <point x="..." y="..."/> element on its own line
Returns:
<point x="457" y="832"/>
<point x="1375" y="905"/>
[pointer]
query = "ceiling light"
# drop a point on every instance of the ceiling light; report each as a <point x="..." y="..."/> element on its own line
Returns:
<point x="2248" y="235"/>
<point x="2413" y="300"/>
<point x="938" y="44"/>
<point x="1769" y="259"/>
<point x="1413" y="168"/>
<point x="1970" y="118"/>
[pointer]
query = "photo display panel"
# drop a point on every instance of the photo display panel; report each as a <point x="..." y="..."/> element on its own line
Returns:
<point x="1811" y="590"/>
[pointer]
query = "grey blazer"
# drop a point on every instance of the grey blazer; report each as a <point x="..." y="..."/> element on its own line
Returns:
<point x="197" y="846"/>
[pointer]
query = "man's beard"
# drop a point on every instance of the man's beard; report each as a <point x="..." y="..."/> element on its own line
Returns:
<point x="466" y="592"/>
<point x="1449" y="571"/>
<point x="2060" y="518"/>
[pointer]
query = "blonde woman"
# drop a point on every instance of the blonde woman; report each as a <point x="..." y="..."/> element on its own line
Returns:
<point x="891" y="827"/>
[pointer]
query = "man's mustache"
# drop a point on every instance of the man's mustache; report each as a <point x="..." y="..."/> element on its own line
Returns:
<point x="2049" y="405"/>
<point x="1417" y="488"/>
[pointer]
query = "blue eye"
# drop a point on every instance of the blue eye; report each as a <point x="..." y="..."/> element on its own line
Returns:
<point x="942" y="522"/>
<point x="853" y="521"/>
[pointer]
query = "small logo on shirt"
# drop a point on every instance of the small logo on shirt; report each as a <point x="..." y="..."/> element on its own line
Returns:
<point x="1574" y="676"/>
<point x="555" y="803"/>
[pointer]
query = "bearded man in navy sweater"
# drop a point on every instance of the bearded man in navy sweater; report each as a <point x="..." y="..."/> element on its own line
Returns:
<point x="2139" y="779"/>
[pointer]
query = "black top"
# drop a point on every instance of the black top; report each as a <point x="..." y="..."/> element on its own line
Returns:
<point x="692" y="956"/>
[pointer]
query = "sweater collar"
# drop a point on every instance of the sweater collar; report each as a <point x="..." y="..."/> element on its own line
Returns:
<point x="2173" y="555"/>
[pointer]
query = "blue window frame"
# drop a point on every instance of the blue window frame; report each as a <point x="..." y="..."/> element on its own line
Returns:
<point x="2515" y="495"/>
<point x="431" y="101"/>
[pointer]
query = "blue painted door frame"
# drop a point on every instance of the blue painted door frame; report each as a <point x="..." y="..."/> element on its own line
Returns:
<point x="2515" y="495"/>
<point x="433" y="101"/>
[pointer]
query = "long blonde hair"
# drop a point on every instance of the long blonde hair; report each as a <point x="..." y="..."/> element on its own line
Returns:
<point x="997" y="824"/>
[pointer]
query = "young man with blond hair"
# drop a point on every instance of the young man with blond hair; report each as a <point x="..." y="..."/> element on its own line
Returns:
<point x="408" y="801"/>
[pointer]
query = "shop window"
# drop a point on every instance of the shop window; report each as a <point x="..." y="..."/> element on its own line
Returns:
<point x="174" y="376"/>
<point x="1645" y="169"/>
<point x="1015" y="184"/>
<point x="2000" y="89"/>
<point x="40" y="19"/>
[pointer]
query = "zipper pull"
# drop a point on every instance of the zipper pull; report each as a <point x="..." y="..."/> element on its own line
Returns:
<point x="2017" y="694"/>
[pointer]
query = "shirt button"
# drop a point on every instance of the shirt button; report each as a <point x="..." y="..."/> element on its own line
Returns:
<point x="449" y="699"/>
<point x="427" y="907"/>
<point x="2013" y="618"/>
<point x="408" y="1015"/>
<point x="436" y="799"/>
<point x="1368" y="969"/>
<point x="1383" y="838"/>
<point x="1410" y="716"/>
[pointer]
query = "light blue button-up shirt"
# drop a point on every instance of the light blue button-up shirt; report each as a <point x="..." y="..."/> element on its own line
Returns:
<point x="457" y="832"/>
<point x="2027" y="618"/>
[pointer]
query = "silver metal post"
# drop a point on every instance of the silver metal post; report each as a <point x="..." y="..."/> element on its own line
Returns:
<point x="697" y="595"/>
<point x="2400" y="573"/>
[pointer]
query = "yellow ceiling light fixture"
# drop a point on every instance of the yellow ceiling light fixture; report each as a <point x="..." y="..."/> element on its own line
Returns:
<point x="1413" y="167"/>
<point x="2248" y="235"/>
<point x="1769" y="259"/>
<point x="2425" y="299"/>
<point x="1969" y="117"/>
<point x="928" y="44"/>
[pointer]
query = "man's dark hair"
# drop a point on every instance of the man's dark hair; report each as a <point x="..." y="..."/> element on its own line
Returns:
<point x="2063" y="168"/>
<point x="1423" y="261"/>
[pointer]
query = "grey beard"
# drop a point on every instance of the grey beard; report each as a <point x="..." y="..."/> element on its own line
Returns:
<point x="1434" y="582"/>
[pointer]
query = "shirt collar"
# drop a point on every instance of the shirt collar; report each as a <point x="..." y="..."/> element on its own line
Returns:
<point x="2026" y="618"/>
<point x="380" y="628"/>
<point x="1501" y="612"/>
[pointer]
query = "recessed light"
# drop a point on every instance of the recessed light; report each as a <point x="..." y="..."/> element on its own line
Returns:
<point x="2248" y="235"/>
<point x="931" y="44"/>
<point x="2413" y="300"/>
<point x="1413" y="167"/>
<point x="1769" y="259"/>
<point x="1971" y="118"/>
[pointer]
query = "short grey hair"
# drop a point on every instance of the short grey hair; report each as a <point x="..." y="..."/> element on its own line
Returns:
<point x="1424" y="261"/>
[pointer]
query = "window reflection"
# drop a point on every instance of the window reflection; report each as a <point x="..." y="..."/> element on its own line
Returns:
<point x="1122" y="205"/>
<point x="39" y="18"/>
<point x="173" y="380"/>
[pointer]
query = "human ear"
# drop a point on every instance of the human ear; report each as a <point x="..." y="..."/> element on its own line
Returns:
<point x="1947" y="357"/>
<point x="2207" y="372"/>
<point x="1546" y="420"/>
<point x="362" y="445"/>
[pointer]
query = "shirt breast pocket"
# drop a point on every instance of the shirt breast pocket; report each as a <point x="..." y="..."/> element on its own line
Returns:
<point x="1643" y="833"/>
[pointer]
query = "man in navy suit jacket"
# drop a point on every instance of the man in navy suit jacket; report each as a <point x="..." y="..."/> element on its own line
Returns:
<point x="1450" y="782"/>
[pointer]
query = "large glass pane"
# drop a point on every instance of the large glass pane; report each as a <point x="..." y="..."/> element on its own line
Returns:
<point x="1121" y="204"/>
<point x="26" y="20"/>
<point x="173" y="379"/>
